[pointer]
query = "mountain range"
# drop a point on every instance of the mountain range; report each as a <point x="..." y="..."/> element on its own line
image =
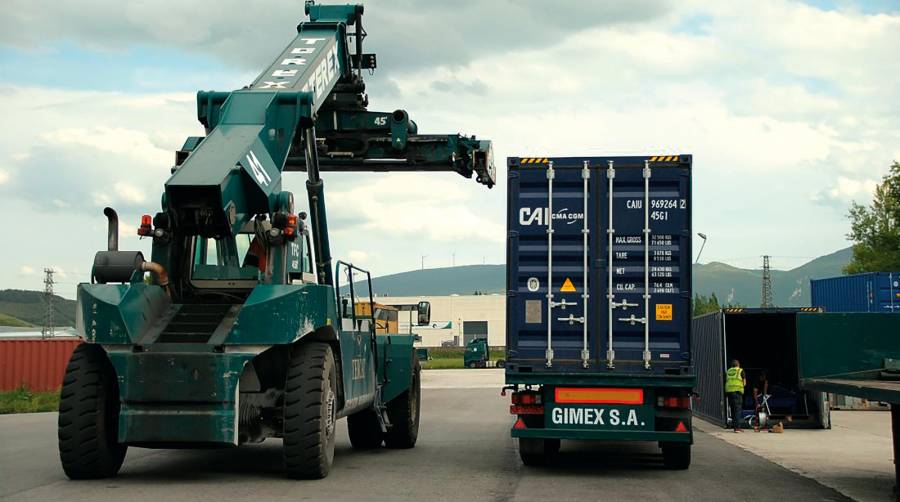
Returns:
<point x="730" y="284"/>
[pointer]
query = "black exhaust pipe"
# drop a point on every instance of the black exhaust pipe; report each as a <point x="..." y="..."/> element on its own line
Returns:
<point x="112" y="233"/>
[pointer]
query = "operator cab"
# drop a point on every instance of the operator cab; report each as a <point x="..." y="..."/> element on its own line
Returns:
<point x="243" y="261"/>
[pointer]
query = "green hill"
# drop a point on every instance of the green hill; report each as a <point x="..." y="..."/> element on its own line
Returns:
<point x="8" y="320"/>
<point x="743" y="286"/>
<point x="463" y="280"/>
<point x="28" y="306"/>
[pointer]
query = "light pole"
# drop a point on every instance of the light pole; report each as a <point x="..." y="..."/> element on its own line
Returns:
<point x="423" y="261"/>
<point x="702" y="236"/>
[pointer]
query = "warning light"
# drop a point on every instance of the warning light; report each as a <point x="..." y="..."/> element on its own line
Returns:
<point x="681" y="427"/>
<point x="146" y="227"/>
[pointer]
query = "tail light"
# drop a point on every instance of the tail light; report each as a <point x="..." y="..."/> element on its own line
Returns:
<point x="678" y="402"/>
<point x="526" y="403"/>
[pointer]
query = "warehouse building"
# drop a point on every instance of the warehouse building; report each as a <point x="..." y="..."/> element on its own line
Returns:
<point x="456" y="319"/>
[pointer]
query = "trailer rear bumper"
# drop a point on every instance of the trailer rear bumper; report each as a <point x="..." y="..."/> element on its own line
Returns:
<point x="604" y="435"/>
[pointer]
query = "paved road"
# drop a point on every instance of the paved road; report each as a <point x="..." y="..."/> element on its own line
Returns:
<point x="464" y="453"/>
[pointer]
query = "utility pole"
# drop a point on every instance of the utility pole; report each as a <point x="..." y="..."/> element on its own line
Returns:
<point x="767" y="294"/>
<point x="47" y="329"/>
<point x="423" y="261"/>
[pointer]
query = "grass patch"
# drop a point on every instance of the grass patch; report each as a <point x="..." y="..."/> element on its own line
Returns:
<point x="445" y="363"/>
<point x="23" y="400"/>
<point x="8" y="320"/>
<point x="442" y="358"/>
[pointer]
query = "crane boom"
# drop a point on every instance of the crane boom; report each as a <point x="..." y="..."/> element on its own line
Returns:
<point x="306" y="112"/>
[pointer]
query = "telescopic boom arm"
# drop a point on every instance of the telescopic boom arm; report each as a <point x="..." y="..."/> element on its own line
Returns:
<point x="306" y="112"/>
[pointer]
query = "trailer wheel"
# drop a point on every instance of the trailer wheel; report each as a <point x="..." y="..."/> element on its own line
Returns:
<point x="365" y="430"/>
<point x="537" y="452"/>
<point x="403" y="413"/>
<point x="310" y="394"/>
<point x="89" y="416"/>
<point x="676" y="455"/>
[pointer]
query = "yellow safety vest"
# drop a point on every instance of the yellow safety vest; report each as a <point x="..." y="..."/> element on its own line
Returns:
<point x="734" y="380"/>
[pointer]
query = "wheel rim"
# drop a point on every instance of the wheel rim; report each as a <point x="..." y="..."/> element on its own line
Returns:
<point x="329" y="413"/>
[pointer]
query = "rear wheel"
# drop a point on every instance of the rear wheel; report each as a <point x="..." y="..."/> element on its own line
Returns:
<point x="309" y="411"/>
<point x="365" y="430"/>
<point x="501" y="363"/>
<point x="676" y="455"/>
<point x="403" y="413"/>
<point x="538" y="451"/>
<point x="473" y="364"/>
<point x="89" y="416"/>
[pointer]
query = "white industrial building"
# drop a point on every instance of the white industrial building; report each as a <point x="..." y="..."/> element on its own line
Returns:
<point x="456" y="319"/>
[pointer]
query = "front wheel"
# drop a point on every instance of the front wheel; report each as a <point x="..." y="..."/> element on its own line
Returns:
<point x="676" y="456"/>
<point x="501" y="363"/>
<point x="88" y="429"/>
<point x="310" y="395"/>
<point x="403" y="413"/>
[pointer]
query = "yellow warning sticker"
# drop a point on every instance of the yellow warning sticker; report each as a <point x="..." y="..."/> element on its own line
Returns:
<point x="663" y="311"/>
<point x="567" y="286"/>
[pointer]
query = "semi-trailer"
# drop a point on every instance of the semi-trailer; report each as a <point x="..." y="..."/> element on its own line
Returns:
<point x="598" y="306"/>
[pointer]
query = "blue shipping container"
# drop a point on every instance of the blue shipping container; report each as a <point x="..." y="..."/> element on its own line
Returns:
<point x="871" y="292"/>
<point x="608" y="250"/>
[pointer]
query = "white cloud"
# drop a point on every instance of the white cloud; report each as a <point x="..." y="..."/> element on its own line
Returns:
<point x="26" y="270"/>
<point x="4" y="176"/>
<point x="357" y="256"/>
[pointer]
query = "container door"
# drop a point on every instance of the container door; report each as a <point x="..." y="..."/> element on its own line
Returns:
<point x="645" y="227"/>
<point x="708" y="346"/>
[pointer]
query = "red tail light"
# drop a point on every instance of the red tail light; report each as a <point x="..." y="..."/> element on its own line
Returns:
<point x="681" y="427"/>
<point x="520" y="424"/>
<point x="679" y="402"/>
<point x="526" y="398"/>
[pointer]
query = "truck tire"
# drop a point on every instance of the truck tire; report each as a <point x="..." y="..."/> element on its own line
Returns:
<point x="365" y="431"/>
<point x="501" y="363"/>
<point x="88" y="428"/>
<point x="403" y="413"/>
<point x="473" y="365"/>
<point x="676" y="456"/>
<point x="537" y="452"/>
<point x="310" y="395"/>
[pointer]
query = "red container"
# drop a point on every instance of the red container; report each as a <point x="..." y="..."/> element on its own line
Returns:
<point x="37" y="364"/>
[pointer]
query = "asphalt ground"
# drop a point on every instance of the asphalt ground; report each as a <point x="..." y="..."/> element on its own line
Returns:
<point x="464" y="453"/>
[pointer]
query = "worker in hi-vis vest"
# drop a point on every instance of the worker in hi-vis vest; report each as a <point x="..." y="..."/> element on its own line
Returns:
<point x="735" y="381"/>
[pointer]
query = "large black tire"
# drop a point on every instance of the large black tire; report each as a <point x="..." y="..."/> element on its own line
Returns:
<point x="473" y="364"/>
<point x="310" y="399"/>
<point x="676" y="456"/>
<point x="501" y="363"/>
<point x="403" y="412"/>
<point x="365" y="430"/>
<point x="89" y="416"/>
<point x="537" y="452"/>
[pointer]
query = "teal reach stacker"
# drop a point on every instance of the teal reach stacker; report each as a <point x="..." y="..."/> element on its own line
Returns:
<point x="235" y="329"/>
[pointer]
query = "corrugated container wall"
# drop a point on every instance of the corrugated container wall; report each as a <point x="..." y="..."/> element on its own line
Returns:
<point x="872" y="292"/>
<point x="37" y="364"/>
<point x="614" y="232"/>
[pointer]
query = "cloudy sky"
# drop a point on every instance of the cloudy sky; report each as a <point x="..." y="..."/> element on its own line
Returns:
<point x="789" y="108"/>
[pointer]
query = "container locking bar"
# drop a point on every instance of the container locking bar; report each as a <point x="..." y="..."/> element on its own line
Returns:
<point x="646" y="264"/>
<point x="572" y="320"/>
<point x="550" y="305"/>
<point x="610" y="297"/>
<point x="585" y="353"/>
